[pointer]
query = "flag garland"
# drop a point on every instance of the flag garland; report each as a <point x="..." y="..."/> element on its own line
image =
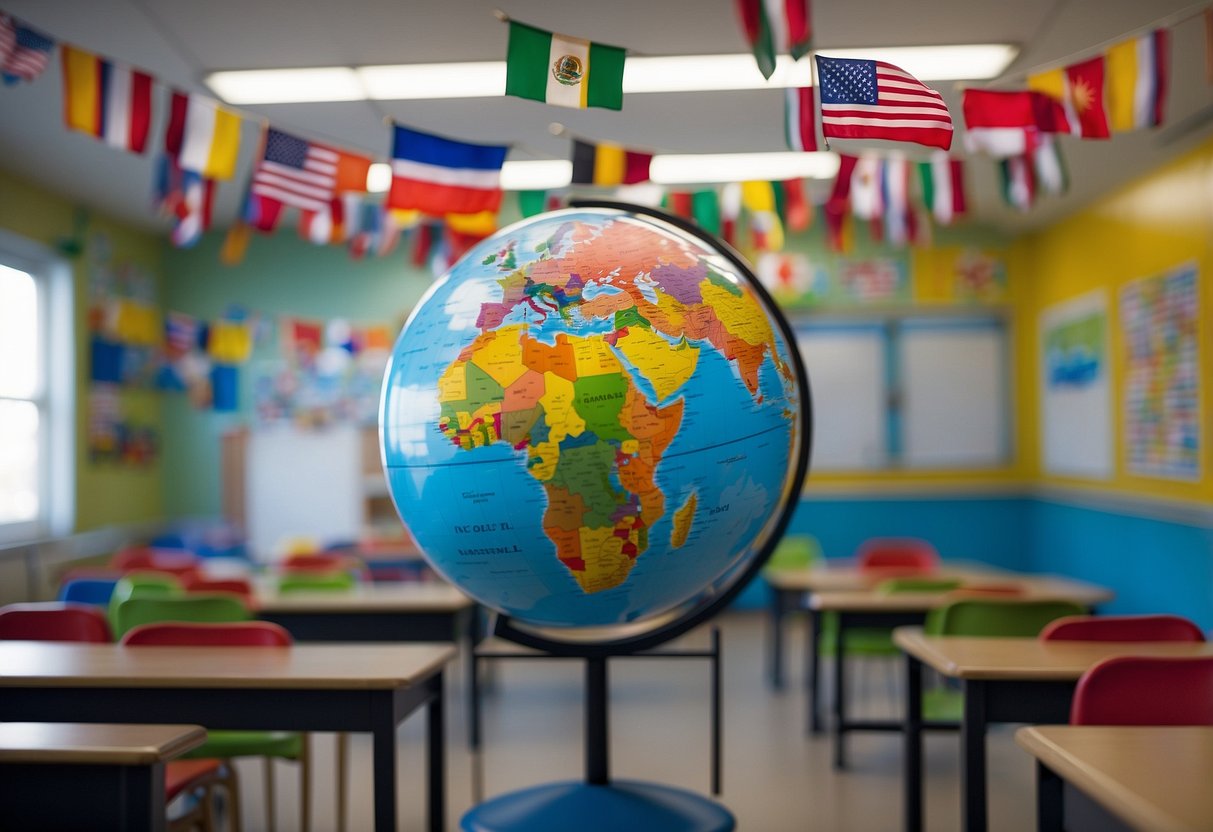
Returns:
<point x="800" y="127"/>
<point x="440" y="176"/>
<point x="604" y="163"/>
<point x="1080" y="90"/>
<point x="24" y="51"/>
<point x="563" y="70"/>
<point x="106" y="100"/>
<point x="202" y="136"/>
<point x="770" y="27"/>
<point x="1137" y="70"/>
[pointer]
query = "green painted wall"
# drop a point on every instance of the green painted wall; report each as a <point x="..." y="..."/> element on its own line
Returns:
<point x="281" y="275"/>
<point x="106" y="494"/>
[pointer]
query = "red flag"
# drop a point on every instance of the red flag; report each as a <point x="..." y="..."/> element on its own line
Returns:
<point x="1001" y="123"/>
<point x="838" y="207"/>
<point x="1086" y="85"/>
<point x="799" y="212"/>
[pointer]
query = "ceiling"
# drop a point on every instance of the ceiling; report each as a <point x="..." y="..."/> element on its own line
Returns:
<point x="180" y="41"/>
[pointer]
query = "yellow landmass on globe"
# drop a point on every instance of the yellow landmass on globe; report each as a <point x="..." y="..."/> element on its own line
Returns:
<point x="683" y="518"/>
<point x="742" y="317"/>
<point x="668" y="366"/>
<point x="605" y="566"/>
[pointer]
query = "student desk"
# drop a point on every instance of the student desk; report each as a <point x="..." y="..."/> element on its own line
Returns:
<point x="1153" y="779"/>
<point x="73" y="776"/>
<point x="1003" y="680"/>
<point x="869" y="608"/>
<point x="351" y="687"/>
<point x="790" y="586"/>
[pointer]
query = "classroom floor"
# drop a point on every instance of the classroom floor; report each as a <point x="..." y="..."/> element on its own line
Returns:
<point x="776" y="777"/>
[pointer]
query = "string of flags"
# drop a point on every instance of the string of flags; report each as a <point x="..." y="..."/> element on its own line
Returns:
<point x="446" y="193"/>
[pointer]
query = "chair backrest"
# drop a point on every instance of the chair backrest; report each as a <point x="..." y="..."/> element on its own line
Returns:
<point x="220" y="634"/>
<point x="907" y="556"/>
<point x="915" y="584"/>
<point x="54" y="621"/>
<point x="142" y="584"/>
<point x="1122" y="628"/>
<point x="997" y="617"/>
<point x="794" y="551"/>
<point x="213" y="608"/>
<point x="1138" y="690"/>
<point x="235" y="586"/>
<point x="176" y="561"/>
<point x="316" y="582"/>
<point x="96" y="591"/>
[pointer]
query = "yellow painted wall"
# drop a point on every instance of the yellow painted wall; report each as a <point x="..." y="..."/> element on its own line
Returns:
<point x="106" y="494"/>
<point x="1147" y="228"/>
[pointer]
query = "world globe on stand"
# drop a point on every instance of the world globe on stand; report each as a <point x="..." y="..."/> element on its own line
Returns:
<point x="593" y="419"/>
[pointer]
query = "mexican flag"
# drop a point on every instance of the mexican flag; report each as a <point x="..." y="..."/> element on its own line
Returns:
<point x="565" y="71"/>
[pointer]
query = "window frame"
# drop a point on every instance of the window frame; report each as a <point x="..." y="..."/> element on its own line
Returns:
<point x="55" y="396"/>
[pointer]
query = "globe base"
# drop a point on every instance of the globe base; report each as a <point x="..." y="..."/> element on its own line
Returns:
<point x="624" y="804"/>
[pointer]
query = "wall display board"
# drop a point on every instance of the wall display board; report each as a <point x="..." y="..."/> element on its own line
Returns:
<point x="846" y="366"/>
<point x="1161" y="395"/>
<point x="1076" y="389"/>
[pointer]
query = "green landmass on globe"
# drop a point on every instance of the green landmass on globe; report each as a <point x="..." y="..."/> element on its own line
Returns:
<point x="592" y="437"/>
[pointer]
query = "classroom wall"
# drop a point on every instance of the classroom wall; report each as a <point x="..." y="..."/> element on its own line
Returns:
<point x="106" y="493"/>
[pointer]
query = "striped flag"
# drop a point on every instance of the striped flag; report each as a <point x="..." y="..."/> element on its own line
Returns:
<point x="24" y="52"/>
<point x="107" y="100"/>
<point x="608" y="164"/>
<point x="943" y="188"/>
<point x="798" y="122"/>
<point x="863" y="99"/>
<point x="561" y="70"/>
<point x="1137" y="81"/>
<point x="440" y="176"/>
<point x="772" y="26"/>
<point x="301" y="174"/>
<point x="187" y="197"/>
<point x="202" y="136"/>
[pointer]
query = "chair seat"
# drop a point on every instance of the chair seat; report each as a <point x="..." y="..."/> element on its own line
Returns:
<point x="625" y="804"/>
<point x="180" y="775"/>
<point x="226" y="744"/>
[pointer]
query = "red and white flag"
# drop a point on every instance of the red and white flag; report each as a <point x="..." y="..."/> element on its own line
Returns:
<point x="301" y="174"/>
<point x="863" y="99"/>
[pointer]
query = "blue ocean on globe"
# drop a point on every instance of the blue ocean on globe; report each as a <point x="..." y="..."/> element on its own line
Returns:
<point x="591" y="420"/>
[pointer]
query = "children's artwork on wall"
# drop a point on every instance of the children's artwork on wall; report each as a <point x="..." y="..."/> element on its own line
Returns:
<point x="979" y="276"/>
<point x="787" y="276"/>
<point x="871" y="280"/>
<point x="124" y="323"/>
<point x="113" y="436"/>
<point x="1076" y="402"/>
<point x="1161" y="398"/>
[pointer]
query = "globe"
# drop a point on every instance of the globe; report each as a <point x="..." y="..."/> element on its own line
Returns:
<point x="594" y="419"/>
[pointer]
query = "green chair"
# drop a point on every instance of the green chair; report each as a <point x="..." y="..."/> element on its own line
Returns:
<point x="304" y="581"/>
<point x="141" y="585"/>
<point x="224" y="744"/>
<point x="913" y="584"/>
<point x="985" y="618"/>
<point x="794" y="551"/>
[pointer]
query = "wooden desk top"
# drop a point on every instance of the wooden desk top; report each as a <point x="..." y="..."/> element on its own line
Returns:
<point x="846" y="576"/>
<point x="1028" y="659"/>
<point x="74" y="742"/>
<point x="1154" y="779"/>
<point x="1034" y="588"/>
<point x="303" y="666"/>
<point x="368" y="598"/>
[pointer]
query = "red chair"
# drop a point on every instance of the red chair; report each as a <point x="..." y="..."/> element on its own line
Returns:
<point x="1140" y="690"/>
<point x="234" y="586"/>
<point x="160" y="560"/>
<point x="185" y="634"/>
<point x="1122" y="628"/>
<point x="901" y="556"/>
<point x="54" y="621"/>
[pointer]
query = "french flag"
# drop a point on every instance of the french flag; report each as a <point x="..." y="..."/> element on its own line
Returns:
<point x="440" y="176"/>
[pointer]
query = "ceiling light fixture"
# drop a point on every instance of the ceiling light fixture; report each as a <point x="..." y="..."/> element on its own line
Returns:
<point x="672" y="73"/>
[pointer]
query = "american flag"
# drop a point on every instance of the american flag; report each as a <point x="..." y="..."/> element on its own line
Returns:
<point x="296" y="172"/>
<point x="875" y="100"/>
<point x="24" y="52"/>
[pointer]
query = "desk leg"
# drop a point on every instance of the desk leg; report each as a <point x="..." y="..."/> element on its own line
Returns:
<point x="1050" y="802"/>
<point x="813" y="661"/>
<point x="913" y="746"/>
<point x="973" y="757"/>
<point x="840" y="699"/>
<point x="436" y="754"/>
<point x="383" y="735"/>
<point x="775" y="639"/>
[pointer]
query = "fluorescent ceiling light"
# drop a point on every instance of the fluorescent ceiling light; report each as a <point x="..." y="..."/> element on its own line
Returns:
<point x="741" y="167"/>
<point x="673" y="73"/>
<point x="704" y="168"/>
<point x="287" y="86"/>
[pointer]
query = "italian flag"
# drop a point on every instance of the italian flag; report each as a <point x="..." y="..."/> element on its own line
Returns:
<point x="565" y="71"/>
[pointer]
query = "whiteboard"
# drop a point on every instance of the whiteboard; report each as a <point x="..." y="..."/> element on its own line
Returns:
<point x="846" y="366"/>
<point x="302" y="484"/>
<point x="954" y="395"/>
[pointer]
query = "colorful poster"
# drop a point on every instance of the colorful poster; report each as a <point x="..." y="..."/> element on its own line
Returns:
<point x="873" y="280"/>
<point x="1161" y="401"/>
<point x="979" y="276"/>
<point x="787" y="276"/>
<point x="1076" y="404"/>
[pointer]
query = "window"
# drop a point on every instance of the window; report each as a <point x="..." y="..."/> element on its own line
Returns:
<point x="908" y="392"/>
<point x="36" y="481"/>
